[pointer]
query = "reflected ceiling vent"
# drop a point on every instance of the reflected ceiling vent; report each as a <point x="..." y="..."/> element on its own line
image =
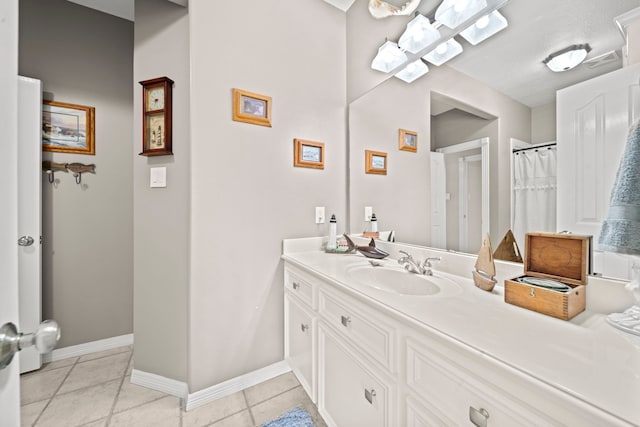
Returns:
<point x="603" y="59"/>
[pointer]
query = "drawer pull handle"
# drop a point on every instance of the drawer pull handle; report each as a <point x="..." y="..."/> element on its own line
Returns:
<point x="369" y="395"/>
<point x="478" y="417"/>
<point x="296" y="285"/>
<point x="304" y="327"/>
<point x="345" y="320"/>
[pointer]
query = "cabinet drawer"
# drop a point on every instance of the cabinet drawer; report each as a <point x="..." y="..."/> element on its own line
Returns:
<point x="360" y="325"/>
<point x="461" y="395"/>
<point x="350" y="393"/>
<point x="299" y="344"/>
<point x="299" y="286"/>
<point x="418" y="416"/>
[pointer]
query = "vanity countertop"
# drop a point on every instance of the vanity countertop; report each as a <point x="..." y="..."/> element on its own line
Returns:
<point x="584" y="357"/>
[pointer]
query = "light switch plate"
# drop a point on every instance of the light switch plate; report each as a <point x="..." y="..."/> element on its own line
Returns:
<point x="158" y="177"/>
<point x="319" y="214"/>
<point x="368" y="211"/>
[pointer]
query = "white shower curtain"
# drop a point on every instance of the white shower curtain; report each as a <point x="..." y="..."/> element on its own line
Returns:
<point x="534" y="192"/>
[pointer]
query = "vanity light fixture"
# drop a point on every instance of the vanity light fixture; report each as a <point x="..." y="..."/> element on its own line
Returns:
<point x="485" y="27"/>
<point x="418" y="35"/>
<point x="413" y="71"/>
<point x="433" y="38"/>
<point x="444" y="52"/>
<point x="389" y="57"/>
<point x="567" y="58"/>
<point x="454" y="12"/>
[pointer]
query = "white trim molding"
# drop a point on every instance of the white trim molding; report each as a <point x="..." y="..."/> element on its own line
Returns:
<point x="87" y="348"/>
<point x="157" y="382"/>
<point x="234" y="385"/>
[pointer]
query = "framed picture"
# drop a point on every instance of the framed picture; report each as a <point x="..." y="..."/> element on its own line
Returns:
<point x="407" y="140"/>
<point x="68" y="128"/>
<point x="251" y="108"/>
<point x="308" y="154"/>
<point x="375" y="162"/>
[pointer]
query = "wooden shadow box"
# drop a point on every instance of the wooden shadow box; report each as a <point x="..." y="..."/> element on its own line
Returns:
<point x="562" y="257"/>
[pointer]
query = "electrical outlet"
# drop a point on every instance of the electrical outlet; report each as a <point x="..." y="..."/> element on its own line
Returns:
<point x="368" y="211"/>
<point x="319" y="214"/>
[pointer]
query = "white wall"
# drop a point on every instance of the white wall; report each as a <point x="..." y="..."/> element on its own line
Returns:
<point x="161" y="215"/>
<point x="246" y="196"/>
<point x="85" y="57"/>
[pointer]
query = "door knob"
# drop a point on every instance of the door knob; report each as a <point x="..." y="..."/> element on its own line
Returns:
<point x="44" y="339"/>
<point x="25" y="241"/>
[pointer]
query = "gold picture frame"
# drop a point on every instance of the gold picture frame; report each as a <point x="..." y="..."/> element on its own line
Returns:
<point x="375" y="162"/>
<point x="68" y="128"/>
<point x="308" y="154"/>
<point x="253" y="108"/>
<point x="407" y="140"/>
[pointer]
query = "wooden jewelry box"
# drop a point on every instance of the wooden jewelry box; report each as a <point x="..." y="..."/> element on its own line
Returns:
<point x="562" y="257"/>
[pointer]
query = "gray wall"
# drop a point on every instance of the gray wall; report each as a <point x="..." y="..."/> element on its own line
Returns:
<point x="246" y="196"/>
<point x="85" y="57"/>
<point x="161" y="215"/>
<point x="543" y="123"/>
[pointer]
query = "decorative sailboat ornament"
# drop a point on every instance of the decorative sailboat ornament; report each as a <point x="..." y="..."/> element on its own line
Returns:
<point x="508" y="249"/>
<point x="485" y="269"/>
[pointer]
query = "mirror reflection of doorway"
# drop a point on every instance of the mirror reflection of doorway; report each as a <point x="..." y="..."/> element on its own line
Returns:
<point x="462" y="131"/>
<point x="466" y="196"/>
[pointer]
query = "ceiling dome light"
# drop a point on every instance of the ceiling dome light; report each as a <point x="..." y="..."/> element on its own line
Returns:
<point x="418" y="35"/>
<point x="454" y="12"/>
<point x="567" y="58"/>
<point x="444" y="52"/>
<point x="413" y="71"/>
<point x="485" y="27"/>
<point x="389" y="57"/>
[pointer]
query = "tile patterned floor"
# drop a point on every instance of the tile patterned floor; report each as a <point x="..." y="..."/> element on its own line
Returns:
<point x="95" y="391"/>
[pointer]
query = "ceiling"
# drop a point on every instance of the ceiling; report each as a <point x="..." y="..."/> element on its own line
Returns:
<point x="511" y="61"/>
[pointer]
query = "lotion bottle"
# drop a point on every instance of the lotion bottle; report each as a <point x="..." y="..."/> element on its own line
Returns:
<point x="332" y="243"/>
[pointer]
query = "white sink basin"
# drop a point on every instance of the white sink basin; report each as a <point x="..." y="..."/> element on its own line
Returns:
<point x="397" y="280"/>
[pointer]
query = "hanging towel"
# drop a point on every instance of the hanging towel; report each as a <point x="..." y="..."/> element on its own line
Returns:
<point x="621" y="230"/>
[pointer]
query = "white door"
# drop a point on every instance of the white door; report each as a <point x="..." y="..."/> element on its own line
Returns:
<point x="593" y="119"/>
<point x="9" y="378"/>
<point x="438" y="201"/>
<point x="29" y="213"/>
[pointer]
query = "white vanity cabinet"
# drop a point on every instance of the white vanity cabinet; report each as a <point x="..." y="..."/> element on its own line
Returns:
<point x="300" y="329"/>
<point x="351" y="392"/>
<point x="366" y="364"/>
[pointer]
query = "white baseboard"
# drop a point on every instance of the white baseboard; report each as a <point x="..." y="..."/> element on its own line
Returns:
<point x="156" y="382"/>
<point x="234" y="385"/>
<point x="87" y="348"/>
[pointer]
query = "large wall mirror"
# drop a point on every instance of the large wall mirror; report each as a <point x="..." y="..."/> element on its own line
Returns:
<point x="469" y="116"/>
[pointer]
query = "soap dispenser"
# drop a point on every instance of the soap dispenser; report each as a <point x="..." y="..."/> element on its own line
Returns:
<point x="332" y="243"/>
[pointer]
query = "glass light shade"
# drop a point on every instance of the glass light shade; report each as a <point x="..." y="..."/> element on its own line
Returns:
<point x="567" y="58"/>
<point x="454" y="12"/>
<point x="444" y="52"/>
<point x="389" y="57"/>
<point x="418" y="35"/>
<point x="413" y="71"/>
<point x="485" y="27"/>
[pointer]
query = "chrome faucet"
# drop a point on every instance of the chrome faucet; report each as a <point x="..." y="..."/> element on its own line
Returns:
<point x="413" y="266"/>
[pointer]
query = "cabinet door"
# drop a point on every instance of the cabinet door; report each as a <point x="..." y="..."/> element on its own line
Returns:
<point x="299" y="347"/>
<point x="349" y="393"/>
<point x="593" y="119"/>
